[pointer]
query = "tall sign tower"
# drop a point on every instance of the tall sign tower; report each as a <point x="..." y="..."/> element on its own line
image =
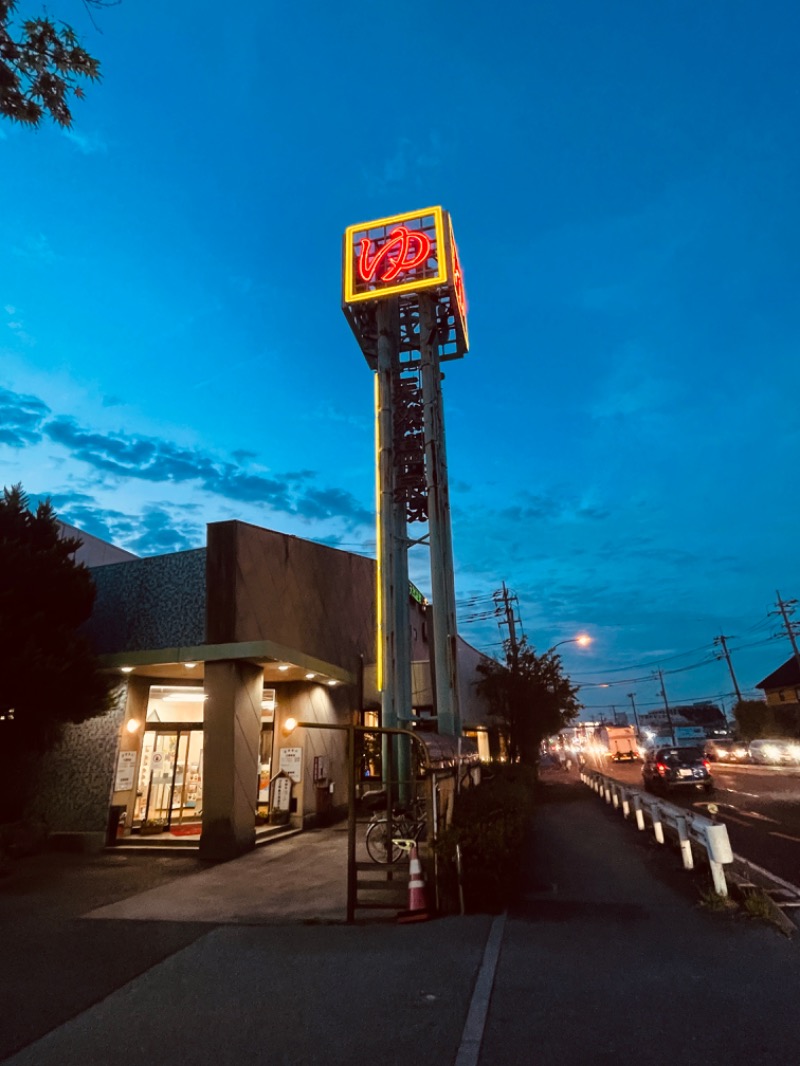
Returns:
<point x="403" y="295"/>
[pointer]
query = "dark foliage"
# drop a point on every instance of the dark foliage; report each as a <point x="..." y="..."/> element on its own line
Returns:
<point x="490" y="826"/>
<point x="48" y="673"/>
<point x="40" y="65"/>
<point x="530" y="698"/>
<point x="755" y="718"/>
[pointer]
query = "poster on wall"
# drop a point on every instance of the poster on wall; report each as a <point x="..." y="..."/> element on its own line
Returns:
<point x="126" y="768"/>
<point x="291" y="762"/>
<point x="281" y="793"/>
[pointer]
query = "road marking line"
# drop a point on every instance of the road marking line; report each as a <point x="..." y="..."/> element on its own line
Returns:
<point x="760" y="817"/>
<point x="784" y="836"/>
<point x="470" y="1047"/>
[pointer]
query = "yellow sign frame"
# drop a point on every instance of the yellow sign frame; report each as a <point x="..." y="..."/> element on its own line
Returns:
<point x="442" y="258"/>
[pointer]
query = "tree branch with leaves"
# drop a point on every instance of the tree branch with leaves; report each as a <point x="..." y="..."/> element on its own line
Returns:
<point x="41" y="64"/>
<point x="529" y="697"/>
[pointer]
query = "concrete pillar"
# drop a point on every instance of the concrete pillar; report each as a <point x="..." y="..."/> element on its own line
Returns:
<point x="231" y="732"/>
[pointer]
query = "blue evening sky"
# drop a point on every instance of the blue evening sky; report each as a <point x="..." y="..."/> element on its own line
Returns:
<point x="623" y="180"/>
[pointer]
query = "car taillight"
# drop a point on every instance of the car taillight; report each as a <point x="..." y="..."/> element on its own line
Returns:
<point x="705" y="763"/>
<point x="661" y="767"/>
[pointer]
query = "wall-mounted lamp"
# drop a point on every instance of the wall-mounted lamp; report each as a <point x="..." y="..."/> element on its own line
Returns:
<point x="289" y="726"/>
<point x="132" y="725"/>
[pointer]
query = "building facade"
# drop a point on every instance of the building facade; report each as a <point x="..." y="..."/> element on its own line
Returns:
<point x="216" y="649"/>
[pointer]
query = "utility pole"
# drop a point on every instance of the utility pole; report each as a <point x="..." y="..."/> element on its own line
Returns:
<point x="507" y="599"/>
<point x="635" y="716"/>
<point x="782" y="605"/>
<point x="721" y="641"/>
<point x="666" y="708"/>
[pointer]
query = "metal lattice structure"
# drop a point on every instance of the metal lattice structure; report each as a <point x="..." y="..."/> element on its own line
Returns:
<point x="403" y="296"/>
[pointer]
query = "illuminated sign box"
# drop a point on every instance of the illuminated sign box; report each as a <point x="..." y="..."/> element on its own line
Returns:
<point x="400" y="255"/>
<point x="403" y="253"/>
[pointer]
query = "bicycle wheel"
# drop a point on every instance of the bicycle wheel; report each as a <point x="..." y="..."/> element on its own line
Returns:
<point x="377" y="843"/>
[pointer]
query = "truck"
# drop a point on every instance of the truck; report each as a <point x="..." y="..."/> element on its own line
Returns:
<point x="682" y="736"/>
<point x="617" y="742"/>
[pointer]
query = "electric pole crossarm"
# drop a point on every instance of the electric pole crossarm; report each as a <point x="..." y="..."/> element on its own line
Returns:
<point x="785" y="615"/>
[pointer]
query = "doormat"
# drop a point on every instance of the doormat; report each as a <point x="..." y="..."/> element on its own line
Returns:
<point x="186" y="830"/>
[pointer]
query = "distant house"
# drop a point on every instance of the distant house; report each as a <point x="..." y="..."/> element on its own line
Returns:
<point x="705" y="714"/>
<point x="93" y="551"/>
<point x="782" y="685"/>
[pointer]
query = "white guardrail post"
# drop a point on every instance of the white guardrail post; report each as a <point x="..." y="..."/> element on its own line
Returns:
<point x="689" y="828"/>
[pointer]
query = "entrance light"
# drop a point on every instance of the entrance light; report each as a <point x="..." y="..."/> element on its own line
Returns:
<point x="133" y="725"/>
<point x="289" y="726"/>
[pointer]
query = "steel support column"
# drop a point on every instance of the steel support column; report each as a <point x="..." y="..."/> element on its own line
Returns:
<point x="394" y="619"/>
<point x="441" y="543"/>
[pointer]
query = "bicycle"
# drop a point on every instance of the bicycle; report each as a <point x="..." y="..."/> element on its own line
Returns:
<point x="408" y="825"/>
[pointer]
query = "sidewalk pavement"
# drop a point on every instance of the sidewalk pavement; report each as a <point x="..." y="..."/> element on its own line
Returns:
<point x="606" y="958"/>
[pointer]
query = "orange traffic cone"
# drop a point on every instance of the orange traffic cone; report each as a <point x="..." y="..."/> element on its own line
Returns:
<point x="417" y="902"/>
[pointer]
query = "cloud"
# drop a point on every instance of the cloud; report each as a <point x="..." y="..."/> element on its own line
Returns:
<point x="555" y="506"/>
<point x="125" y="456"/>
<point x="36" y="247"/>
<point x="332" y="503"/>
<point x="17" y="327"/>
<point x="410" y="163"/>
<point x="21" y="418"/>
<point x="160" y="528"/>
<point x="87" y="143"/>
<point x="162" y="531"/>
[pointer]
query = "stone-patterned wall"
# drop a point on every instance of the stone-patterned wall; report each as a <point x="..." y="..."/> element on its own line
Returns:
<point x="75" y="779"/>
<point x="159" y="602"/>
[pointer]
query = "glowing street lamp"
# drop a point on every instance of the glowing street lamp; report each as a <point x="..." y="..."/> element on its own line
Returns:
<point x="584" y="640"/>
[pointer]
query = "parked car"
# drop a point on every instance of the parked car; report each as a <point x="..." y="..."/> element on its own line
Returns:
<point x="726" y="751"/>
<point x="665" y="769"/>
<point x="775" y="751"/>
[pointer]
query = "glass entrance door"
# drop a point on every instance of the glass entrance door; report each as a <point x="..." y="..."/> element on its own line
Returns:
<point x="170" y="786"/>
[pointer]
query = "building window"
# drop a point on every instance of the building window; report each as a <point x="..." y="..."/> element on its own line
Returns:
<point x="782" y="696"/>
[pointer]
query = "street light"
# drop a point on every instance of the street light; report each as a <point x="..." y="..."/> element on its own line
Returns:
<point x="584" y="640"/>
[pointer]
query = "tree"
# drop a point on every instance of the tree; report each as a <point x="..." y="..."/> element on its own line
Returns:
<point x="48" y="673"/>
<point x="529" y="697"/>
<point x="40" y="65"/>
<point x="755" y="718"/>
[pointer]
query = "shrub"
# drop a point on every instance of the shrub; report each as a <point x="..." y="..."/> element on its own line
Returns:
<point x="489" y="827"/>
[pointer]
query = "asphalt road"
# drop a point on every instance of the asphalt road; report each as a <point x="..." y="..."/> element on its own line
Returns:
<point x="606" y="956"/>
<point x="759" y="804"/>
